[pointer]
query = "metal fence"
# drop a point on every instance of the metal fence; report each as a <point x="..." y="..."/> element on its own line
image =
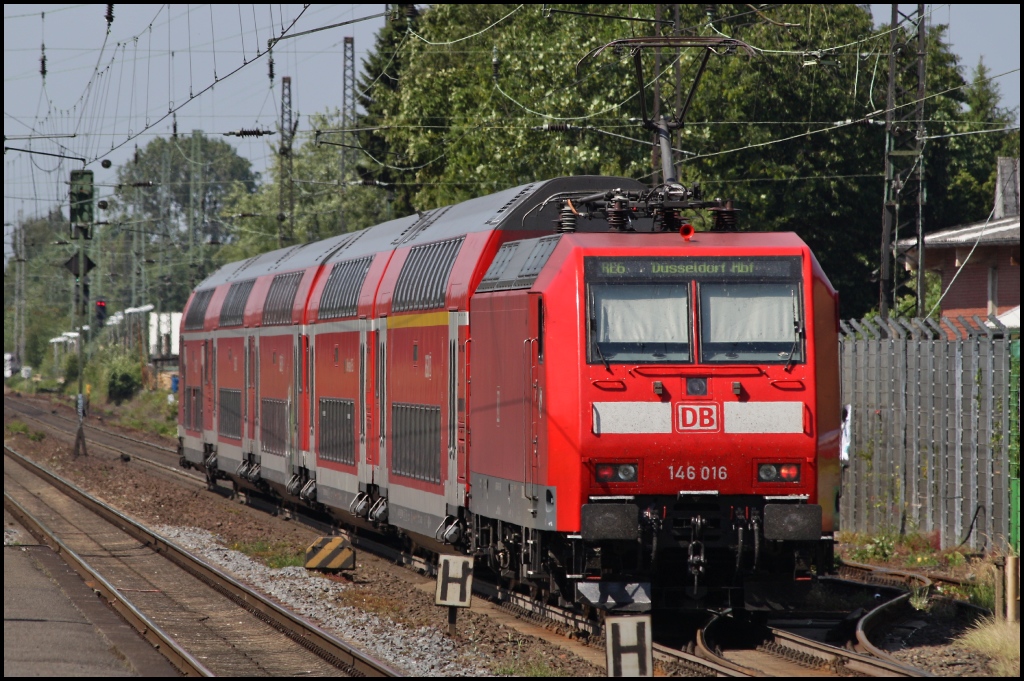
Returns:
<point x="929" y="424"/>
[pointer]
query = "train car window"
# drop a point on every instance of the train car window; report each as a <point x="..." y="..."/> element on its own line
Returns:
<point x="196" y="315"/>
<point x="751" y="322"/>
<point x="281" y="298"/>
<point x="341" y="294"/>
<point x="639" y="322"/>
<point x="423" y="281"/>
<point x="233" y="312"/>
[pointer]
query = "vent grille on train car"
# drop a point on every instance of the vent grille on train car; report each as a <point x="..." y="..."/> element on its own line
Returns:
<point x="281" y="299"/>
<point x="501" y="260"/>
<point x="233" y="312"/>
<point x="341" y="294"/>
<point x="273" y="426"/>
<point x="229" y="420"/>
<point x="416" y="437"/>
<point x="518" y="263"/>
<point x="196" y="314"/>
<point x="500" y="213"/>
<point x="537" y="259"/>
<point x="337" y="430"/>
<point x="424" y="278"/>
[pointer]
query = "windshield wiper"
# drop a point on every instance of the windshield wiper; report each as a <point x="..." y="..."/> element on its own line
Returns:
<point x="607" y="365"/>
<point x="798" y="333"/>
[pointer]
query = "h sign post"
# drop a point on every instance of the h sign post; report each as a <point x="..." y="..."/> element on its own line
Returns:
<point x="454" y="586"/>
<point x="629" y="645"/>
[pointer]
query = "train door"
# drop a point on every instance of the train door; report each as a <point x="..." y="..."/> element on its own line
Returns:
<point x="295" y="394"/>
<point x="364" y="466"/>
<point x="531" y="387"/>
<point x="207" y="392"/>
<point x="454" y="483"/>
<point x="380" y="473"/>
<point x="308" y="352"/>
<point x="254" y="393"/>
<point x="215" y="417"/>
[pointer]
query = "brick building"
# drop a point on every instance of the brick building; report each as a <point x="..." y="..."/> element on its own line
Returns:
<point x="979" y="262"/>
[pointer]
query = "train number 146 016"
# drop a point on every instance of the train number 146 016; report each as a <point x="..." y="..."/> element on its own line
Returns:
<point x="697" y="473"/>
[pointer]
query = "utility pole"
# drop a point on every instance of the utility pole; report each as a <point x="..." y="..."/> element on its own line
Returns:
<point x="348" y="108"/>
<point x="678" y="71"/>
<point x="904" y="152"/>
<point x="81" y="217"/>
<point x="195" y="201"/>
<point x="165" y="230"/>
<point x="656" y="178"/>
<point x="286" y="199"/>
<point x="135" y="248"/>
<point x="348" y="99"/>
<point x="19" y="311"/>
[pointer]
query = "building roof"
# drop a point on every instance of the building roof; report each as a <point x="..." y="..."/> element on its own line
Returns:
<point x="1002" y="232"/>
<point x="1011" y="318"/>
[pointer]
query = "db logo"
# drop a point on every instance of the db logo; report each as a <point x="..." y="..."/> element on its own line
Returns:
<point x="697" y="417"/>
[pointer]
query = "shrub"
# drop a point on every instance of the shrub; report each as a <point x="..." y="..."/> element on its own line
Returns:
<point x="123" y="380"/>
<point x="71" y="370"/>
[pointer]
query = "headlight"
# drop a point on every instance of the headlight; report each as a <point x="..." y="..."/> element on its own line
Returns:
<point x="696" y="386"/>
<point x="616" y="472"/>
<point x="778" y="472"/>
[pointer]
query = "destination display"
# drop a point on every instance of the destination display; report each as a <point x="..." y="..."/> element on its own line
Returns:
<point x="732" y="268"/>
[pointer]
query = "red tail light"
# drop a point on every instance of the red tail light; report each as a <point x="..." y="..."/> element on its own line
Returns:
<point x="616" y="472"/>
<point x="789" y="472"/>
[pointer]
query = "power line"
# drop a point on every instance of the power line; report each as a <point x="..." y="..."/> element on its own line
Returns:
<point x="844" y="124"/>
<point x="473" y="35"/>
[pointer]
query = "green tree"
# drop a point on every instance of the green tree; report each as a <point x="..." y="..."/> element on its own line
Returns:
<point x="166" y="218"/>
<point x="762" y="130"/>
<point x="325" y="203"/>
<point x="48" y="287"/>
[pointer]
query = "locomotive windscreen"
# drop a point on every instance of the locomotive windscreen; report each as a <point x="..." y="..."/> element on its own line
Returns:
<point x="640" y="322"/>
<point x="748" y="310"/>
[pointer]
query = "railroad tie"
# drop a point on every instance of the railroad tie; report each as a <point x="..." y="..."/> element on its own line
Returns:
<point x="331" y="554"/>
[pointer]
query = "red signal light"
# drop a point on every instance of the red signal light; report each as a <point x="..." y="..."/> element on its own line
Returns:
<point x="604" y="472"/>
<point x="790" y="472"/>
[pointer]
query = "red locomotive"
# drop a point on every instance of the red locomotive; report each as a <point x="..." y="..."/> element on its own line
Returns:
<point x="561" y="379"/>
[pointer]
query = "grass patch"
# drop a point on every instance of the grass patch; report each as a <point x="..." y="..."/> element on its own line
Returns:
<point x="271" y="554"/>
<point x="17" y="427"/>
<point x="880" y="548"/>
<point x="150" y="412"/>
<point x="20" y="427"/>
<point x="1000" y="640"/>
<point x="919" y="598"/>
<point x="980" y="593"/>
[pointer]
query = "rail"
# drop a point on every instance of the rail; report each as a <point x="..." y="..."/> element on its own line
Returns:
<point x="300" y="630"/>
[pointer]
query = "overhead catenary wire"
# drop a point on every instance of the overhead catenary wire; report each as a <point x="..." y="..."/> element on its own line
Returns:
<point x="459" y="40"/>
<point x="844" y="124"/>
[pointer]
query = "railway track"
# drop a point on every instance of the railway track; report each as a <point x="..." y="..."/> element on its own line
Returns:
<point x="750" y="650"/>
<point x="774" y="651"/>
<point x="204" y="621"/>
<point x="158" y="458"/>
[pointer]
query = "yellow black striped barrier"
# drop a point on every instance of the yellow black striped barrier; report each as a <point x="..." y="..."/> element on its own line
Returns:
<point x="331" y="553"/>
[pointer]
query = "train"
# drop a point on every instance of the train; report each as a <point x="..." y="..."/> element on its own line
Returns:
<point x="564" y="380"/>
